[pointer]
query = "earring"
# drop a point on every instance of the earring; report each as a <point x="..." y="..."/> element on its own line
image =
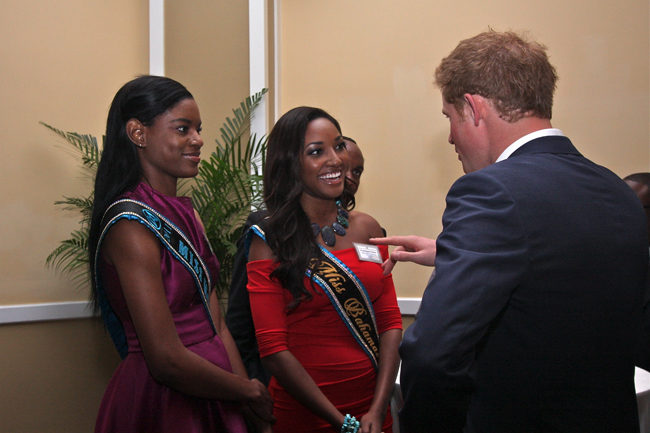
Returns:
<point x="139" y="133"/>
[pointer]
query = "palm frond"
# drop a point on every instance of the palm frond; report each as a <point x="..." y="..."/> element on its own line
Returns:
<point x="71" y="258"/>
<point x="86" y="146"/>
<point x="82" y="205"/>
<point x="232" y="131"/>
<point x="229" y="184"/>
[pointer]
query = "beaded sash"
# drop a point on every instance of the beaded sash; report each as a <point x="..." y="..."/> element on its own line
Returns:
<point x="172" y="238"/>
<point x="347" y="295"/>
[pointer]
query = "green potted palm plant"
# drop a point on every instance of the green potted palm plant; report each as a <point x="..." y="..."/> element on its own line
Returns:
<point x="227" y="187"/>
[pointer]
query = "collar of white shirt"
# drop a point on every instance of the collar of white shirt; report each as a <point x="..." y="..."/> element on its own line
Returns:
<point x="525" y="139"/>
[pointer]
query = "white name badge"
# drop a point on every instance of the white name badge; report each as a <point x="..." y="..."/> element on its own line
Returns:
<point x="368" y="253"/>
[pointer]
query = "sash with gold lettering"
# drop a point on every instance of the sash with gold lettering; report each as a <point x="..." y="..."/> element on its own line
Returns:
<point x="346" y="293"/>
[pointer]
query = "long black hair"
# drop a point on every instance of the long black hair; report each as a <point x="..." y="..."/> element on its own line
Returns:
<point x="119" y="170"/>
<point x="288" y="230"/>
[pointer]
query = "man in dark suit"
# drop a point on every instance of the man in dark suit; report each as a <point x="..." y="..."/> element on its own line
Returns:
<point x="531" y="320"/>
<point x="640" y="184"/>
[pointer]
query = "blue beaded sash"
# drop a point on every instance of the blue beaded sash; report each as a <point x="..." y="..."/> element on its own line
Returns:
<point x="347" y="295"/>
<point x="172" y="238"/>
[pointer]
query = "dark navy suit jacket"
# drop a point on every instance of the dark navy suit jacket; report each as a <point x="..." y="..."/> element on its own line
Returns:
<point x="530" y="322"/>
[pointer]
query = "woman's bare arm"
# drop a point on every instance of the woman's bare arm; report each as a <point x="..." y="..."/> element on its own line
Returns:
<point x="135" y="253"/>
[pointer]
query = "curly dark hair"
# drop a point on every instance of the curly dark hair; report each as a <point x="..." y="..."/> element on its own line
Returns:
<point x="288" y="230"/>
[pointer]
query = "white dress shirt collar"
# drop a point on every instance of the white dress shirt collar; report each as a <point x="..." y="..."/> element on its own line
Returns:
<point x="525" y="139"/>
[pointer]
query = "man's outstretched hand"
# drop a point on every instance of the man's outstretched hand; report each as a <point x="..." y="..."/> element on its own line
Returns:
<point x="409" y="249"/>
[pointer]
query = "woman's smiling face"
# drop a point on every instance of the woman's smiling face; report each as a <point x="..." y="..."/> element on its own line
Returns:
<point x="172" y="144"/>
<point x="323" y="161"/>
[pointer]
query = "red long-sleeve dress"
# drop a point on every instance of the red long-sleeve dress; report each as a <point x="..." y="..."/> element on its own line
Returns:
<point x="320" y="341"/>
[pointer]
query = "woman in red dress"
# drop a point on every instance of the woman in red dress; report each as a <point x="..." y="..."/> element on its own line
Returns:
<point x="324" y="379"/>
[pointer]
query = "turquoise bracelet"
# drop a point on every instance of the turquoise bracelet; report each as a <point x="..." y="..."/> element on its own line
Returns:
<point x="350" y="424"/>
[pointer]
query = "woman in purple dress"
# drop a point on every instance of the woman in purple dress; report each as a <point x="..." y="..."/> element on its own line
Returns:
<point x="181" y="370"/>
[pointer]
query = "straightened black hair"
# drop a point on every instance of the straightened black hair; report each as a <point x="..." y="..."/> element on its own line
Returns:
<point x="288" y="230"/>
<point x="119" y="170"/>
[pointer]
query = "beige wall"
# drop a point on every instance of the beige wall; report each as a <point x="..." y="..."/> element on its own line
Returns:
<point x="371" y="64"/>
<point x="53" y="375"/>
<point x="62" y="63"/>
<point x="207" y="50"/>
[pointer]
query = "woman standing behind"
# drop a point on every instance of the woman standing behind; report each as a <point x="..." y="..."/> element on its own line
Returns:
<point x="328" y="365"/>
<point x="182" y="371"/>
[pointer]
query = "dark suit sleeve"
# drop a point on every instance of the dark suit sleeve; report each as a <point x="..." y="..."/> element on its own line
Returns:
<point x="481" y="258"/>
<point x="238" y="317"/>
<point x="643" y="342"/>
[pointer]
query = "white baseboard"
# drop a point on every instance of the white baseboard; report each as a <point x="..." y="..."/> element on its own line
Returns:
<point x="41" y="312"/>
<point x="409" y="306"/>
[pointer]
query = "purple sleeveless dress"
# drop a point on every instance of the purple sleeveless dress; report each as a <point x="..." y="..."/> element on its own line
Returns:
<point x="134" y="401"/>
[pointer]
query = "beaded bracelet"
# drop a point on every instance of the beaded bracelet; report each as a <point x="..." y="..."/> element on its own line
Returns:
<point x="350" y="424"/>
